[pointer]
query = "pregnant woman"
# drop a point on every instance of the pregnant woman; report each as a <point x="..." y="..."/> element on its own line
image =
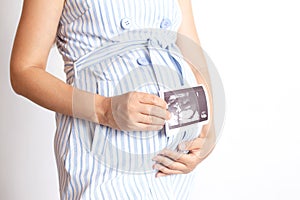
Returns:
<point x="119" y="55"/>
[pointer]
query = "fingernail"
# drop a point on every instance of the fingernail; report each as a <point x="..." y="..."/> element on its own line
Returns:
<point x="159" y="175"/>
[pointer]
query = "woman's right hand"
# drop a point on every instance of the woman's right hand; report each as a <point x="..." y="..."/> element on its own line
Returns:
<point x="134" y="111"/>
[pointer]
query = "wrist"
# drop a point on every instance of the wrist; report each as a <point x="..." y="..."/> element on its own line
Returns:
<point x="102" y="108"/>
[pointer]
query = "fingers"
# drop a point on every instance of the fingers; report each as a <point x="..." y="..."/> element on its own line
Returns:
<point x="137" y="111"/>
<point x="148" y="127"/>
<point x="160" y="174"/>
<point x="151" y="99"/>
<point x="154" y="111"/>
<point x="174" y="155"/>
<point x="166" y="170"/>
<point x="169" y="163"/>
<point x="148" y="119"/>
<point x="192" y="145"/>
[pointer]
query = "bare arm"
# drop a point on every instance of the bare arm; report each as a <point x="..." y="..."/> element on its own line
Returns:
<point x="35" y="36"/>
<point x="189" y="44"/>
<point x="172" y="162"/>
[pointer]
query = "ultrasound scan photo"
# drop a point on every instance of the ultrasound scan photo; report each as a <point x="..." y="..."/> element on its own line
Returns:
<point x="187" y="106"/>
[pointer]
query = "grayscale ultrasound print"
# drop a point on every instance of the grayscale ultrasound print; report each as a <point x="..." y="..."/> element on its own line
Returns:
<point x="187" y="106"/>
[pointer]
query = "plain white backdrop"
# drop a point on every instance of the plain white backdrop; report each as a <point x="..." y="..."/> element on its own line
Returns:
<point x="256" y="47"/>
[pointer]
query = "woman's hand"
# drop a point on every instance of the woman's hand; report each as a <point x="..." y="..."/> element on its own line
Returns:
<point x="172" y="162"/>
<point x="136" y="111"/>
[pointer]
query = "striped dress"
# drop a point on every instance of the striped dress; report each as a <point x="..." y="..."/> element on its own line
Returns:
<point x="111" y="47"/>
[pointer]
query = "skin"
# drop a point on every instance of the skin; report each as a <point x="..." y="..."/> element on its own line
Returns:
<point x="169" y="162"/>
<point x="33" y="41"/>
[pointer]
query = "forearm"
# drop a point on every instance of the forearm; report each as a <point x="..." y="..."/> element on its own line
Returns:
<point x="43" y="88"/>
<point x="193" y="54"/>
<point x="48" y="91"/>
<point x="208" y="132"/>
<point x="202" y="77"/>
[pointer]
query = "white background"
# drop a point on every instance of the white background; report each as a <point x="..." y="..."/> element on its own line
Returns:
<point x="256" y="48"/>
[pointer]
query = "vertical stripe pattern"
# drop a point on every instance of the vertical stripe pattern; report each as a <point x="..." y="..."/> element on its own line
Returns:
<point x="95" y="161"/>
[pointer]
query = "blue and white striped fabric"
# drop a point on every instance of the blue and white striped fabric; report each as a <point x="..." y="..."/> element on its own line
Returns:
<point x="111" y="47"/>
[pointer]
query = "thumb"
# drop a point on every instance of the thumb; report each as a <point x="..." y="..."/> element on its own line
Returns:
<point x="192" y="145"/>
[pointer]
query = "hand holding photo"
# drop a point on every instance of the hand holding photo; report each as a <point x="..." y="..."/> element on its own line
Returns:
<point x="188" y="107"/>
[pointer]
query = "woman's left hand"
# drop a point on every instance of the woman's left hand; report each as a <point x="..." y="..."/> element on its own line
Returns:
<point x="172" y="162"/>
<point x="176" y="162"/>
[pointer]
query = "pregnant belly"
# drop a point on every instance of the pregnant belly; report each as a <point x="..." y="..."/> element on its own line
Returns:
<point x="133" y="71"/>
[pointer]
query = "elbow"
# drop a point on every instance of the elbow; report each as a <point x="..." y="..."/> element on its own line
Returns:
<point x="15" y="79"/>
<point x="14" y="83"/>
